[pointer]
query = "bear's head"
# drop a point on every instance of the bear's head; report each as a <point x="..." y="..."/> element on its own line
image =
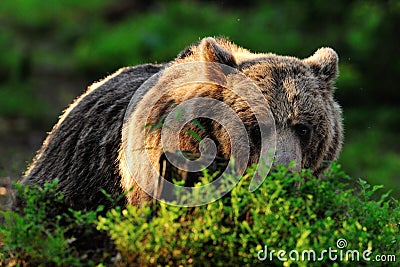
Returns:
<point x="299" y="92"/>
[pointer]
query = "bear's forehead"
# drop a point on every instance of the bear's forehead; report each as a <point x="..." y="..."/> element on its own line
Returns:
<point x="289" y="84"/>
<point x="281" y="75"/>
<point x="278" y="66"/>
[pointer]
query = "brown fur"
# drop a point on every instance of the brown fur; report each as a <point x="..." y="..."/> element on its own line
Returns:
<point x="87" y="152"/>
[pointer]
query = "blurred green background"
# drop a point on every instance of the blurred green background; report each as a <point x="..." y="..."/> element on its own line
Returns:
<point x="50" y="51"/>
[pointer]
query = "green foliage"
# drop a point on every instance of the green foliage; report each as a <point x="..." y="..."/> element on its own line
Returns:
<point x="44" y="232"/>
<point x="230" y="232"/>
<point x="290" y="211"/>
<point x="34" y="236"/>
<point x="86" y="40"/>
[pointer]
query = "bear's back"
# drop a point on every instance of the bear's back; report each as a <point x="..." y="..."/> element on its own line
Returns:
<point x="82" y="148"/>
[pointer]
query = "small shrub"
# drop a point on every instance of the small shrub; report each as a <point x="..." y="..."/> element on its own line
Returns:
<point x="32" y="235"/>
<point x="42" y="231"/>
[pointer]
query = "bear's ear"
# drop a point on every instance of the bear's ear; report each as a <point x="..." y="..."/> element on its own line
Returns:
<point x="211" y="51"/>
<point x="324" y="63"/>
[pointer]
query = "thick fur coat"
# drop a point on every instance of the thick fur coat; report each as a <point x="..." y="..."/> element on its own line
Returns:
<point x="86" y="150"/>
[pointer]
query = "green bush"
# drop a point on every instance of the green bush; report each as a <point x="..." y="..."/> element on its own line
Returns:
<point x="43" y="232"/>
<point x="35" y="236"/>
<point x="290" y="211"/>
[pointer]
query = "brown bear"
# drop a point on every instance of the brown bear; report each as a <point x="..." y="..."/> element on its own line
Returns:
<point x="89" y="148"/>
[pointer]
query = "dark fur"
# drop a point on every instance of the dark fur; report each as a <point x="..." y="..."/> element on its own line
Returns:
<point x="82" y="149"/>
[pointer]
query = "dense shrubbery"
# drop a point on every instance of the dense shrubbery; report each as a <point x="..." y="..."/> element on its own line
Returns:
<point x="288" y="212"/>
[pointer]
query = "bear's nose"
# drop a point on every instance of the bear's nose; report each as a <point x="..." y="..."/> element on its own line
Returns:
<point x="287" y="159"/>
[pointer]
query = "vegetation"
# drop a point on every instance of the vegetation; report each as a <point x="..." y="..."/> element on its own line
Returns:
<point x="290" y="211"/>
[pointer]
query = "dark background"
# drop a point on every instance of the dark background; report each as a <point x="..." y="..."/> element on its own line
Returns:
<point x="50" y="51"/>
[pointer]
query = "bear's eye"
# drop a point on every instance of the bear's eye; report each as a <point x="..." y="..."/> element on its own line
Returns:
<point x="303" y="131"/>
